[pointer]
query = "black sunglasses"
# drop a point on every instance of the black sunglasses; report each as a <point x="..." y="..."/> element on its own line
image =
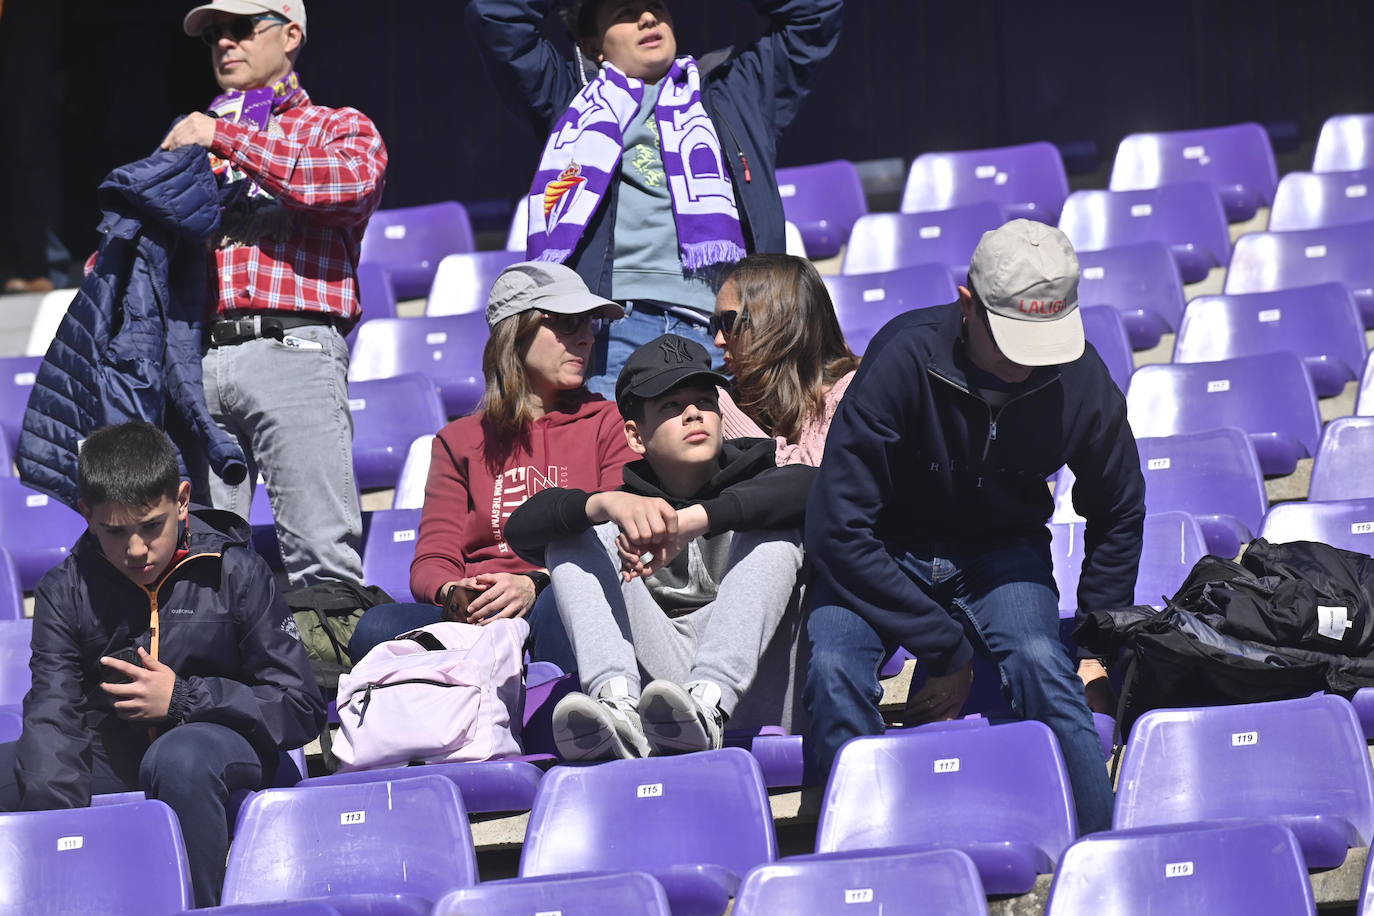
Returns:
<point x="568" y="325"/>
<point x="240" y="29"/>
<point x="724" y="322"/>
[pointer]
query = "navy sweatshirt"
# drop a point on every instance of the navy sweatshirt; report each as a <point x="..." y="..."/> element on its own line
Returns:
<point x="915" y="457"/>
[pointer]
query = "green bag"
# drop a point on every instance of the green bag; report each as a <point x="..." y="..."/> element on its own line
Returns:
<point x="326" y="616"/>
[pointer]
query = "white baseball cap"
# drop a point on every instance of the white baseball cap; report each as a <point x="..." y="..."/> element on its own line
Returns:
<point x="1026" y="275"/>
<point x="199" y="18"/>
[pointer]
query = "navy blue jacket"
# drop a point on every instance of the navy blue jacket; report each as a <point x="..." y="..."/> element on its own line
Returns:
<point x="129" y="347"/>
<point x="915" y="458"/>
<point x="221" y="621"/>
<point x="751" y="96"/>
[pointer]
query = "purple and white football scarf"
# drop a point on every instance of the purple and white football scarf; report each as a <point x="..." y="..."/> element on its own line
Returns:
<point x="252" y="214"/>
<point x="252" y="108"/>
<point x="582" y="158"/>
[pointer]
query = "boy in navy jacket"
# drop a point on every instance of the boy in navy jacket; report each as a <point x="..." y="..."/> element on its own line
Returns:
<point x="210" y="687"/>
<point x="926" y="527"/>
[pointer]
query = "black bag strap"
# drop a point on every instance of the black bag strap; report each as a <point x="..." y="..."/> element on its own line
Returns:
<point x="429" y="641"/>
<point x="340" y="655"/>
<point x="1127" y="682"/>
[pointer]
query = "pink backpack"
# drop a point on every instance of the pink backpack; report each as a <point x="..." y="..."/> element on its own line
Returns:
<point x="446" y="692"/>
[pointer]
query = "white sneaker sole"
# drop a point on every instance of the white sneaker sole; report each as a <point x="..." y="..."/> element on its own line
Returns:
<point x="672" y="720"/>
<point x="584" y="729"/>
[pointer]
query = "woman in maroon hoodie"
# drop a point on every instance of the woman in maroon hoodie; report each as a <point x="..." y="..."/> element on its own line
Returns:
<point x="537" y="427"/>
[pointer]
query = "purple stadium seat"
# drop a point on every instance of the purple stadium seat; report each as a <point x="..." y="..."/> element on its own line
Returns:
<point x="999" y="794"/>
<point x="1344" y="468"/>
<point x="627" y="892"/>
<point x="1302" y="763"/>
<point x="388" y="415"/>
<point x="866" y="302"/>
<point x="106" y="861"/>
<point x="6" y="458"/>
<point x="1104" y="329"/>
<point x="36" y="529"/>
<point x="1270" y="396"/>
<point x="1172" y="543"/>
<point x="405" y="837"/>
<point x="11" y="725"/>
<point x="263" y="525"/>
<point x="1344" y="523"/>
<point x="447" y="349"/>
<point x="388" y="549"/>
<point x="1187" y="217"/>
<point x="11" y="591"/>
<point x="1026" y="181"/>
<point x="710" y="810"/>
<point x="411" y="241"/>
<point x="486" y="785"/>
<point x="17" y="374"/>
<point x="1212" y="475"/>
<point x="1346" y="142"/>
<point x="293" y="908"/>
<point x="15" y="637"/>
<point x="1311" y="200"/>
<point x="375" y="295"/>
<point x="463" y="281"/>
<point x="1265" y="261"/>
<point x="1233" y="868"/>
<point x="886" y="241"/>
<point x="1141" y="282"/>
<point x="1236" y="159"/>
<point x="1319" y="323"/>
<point x="1364" y="405"/>
<point x="822" y="201"/>
<point x="942" y="882"/>
<point x="779" y="754"/>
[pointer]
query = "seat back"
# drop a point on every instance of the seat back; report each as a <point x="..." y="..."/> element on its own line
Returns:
<point x="1172" y="543"/>
<point x="1265" y="261"/>
<point x="1141" y="281"/>
<point x="408" y="836"/>
<point x="36" y="529"/>
<point x="822" y="201"/>
<point x="866" y="302"/>
<point x="15" y="639"/>
<point x="1344" y="523"/>
<point x="11" y="591"/>
<point x="1234" y="869"/>
<point x="707" y="808"/>
<point x="1346" y="142"/>
<point x="1027" y="181"/>
<point x="1104" y="329"/>
<point x="411" y="241"/>
<point x="943" y="882"/>
<point x="389" y="549"/>
<point x="1290" y="757"/>
<point x="1344" y="468"/>
<point x="569" y="895"/>
<point x="1187" y="215"/>
<point x="447" y="349"/>
<point x="388" y="415"/>
<point x="1311" y="200"/>
<point x="886" y="241"/>
<point x="1364" y="403"/>
<point x="462" y="282"/>
<point x="17" y="375"/>
<point x="1270" y="396"/>
<point x="102" y="861"/>
<point x="954" y="786"/>
<point x="1237" y="160"/>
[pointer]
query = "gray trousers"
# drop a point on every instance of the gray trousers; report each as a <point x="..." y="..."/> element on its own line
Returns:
<point x="744" y="641"/>
<point x="287" y="405"/>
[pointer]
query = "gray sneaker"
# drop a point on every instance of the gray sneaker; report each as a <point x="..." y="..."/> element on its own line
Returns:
<point x="601" y="728"/>
<point x="680" y="720"/>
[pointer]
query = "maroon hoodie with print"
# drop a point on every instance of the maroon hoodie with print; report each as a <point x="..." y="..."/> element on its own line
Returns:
<point x="468" y="498"/>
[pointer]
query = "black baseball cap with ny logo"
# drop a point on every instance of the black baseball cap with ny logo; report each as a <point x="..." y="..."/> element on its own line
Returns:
<point x="661" y="365"/>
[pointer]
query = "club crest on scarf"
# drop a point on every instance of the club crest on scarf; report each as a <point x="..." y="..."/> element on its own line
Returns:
<point x="583" y="157"/>
<point x="253" y="214"/>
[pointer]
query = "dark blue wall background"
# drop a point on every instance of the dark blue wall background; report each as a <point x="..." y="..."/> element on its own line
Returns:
<point x="908" y="77"/>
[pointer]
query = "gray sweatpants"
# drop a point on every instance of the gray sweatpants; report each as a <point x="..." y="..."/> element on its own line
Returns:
<point x="618" y="630"/>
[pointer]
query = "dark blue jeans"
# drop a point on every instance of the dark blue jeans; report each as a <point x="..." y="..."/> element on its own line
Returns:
<point x="639" y="326"/>
<point x="1005" y="598"/>
<point x="192" y="768"/>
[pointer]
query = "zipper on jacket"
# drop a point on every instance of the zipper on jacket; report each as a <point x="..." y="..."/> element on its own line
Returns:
<point x="739" y="151"/>
<point x="993" y="415"/>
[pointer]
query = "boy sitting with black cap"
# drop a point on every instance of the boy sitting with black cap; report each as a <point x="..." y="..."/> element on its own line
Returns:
<point x="683" y="574"/>
<point x="160" y="659"/>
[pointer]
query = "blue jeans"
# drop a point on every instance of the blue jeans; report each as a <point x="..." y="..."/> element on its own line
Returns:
<point x="1005" y="598"/>
<point x="387" y="621"/>
<point x="192" y="768"/>
<point x="639" y="326"/>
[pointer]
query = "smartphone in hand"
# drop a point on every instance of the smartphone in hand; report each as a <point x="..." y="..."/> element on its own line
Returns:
<point x="128" y="654"/>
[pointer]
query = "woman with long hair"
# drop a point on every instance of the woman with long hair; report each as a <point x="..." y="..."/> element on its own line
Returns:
<point x="782" y="343"/>
<point x="537" y="426"/>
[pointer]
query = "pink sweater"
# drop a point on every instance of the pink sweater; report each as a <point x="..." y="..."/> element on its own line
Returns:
<point x="810" y="443"/>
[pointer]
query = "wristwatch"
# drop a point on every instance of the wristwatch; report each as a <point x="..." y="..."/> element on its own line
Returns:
<point x="540" y="580"/>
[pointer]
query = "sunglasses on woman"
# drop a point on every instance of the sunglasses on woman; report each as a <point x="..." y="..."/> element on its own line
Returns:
<point x="239" y="29"/>
<point x="570" y="325"/>
<point x="724" y="322"/>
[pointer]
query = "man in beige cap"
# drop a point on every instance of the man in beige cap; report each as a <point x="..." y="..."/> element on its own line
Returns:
<point x="307" y="180"/>
<point x="926" y="527"/>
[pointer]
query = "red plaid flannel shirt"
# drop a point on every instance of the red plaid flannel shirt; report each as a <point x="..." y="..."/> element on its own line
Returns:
<point x="329" y="169"/>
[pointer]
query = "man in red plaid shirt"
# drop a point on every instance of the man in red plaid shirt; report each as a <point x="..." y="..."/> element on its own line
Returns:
<point x="307" y="179"/>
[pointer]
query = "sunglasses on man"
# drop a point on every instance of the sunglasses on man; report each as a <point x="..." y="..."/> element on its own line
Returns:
<point x="239" y="29"/>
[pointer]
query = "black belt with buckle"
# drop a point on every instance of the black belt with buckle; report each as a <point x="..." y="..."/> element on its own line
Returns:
<point x="229" y="331"/>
